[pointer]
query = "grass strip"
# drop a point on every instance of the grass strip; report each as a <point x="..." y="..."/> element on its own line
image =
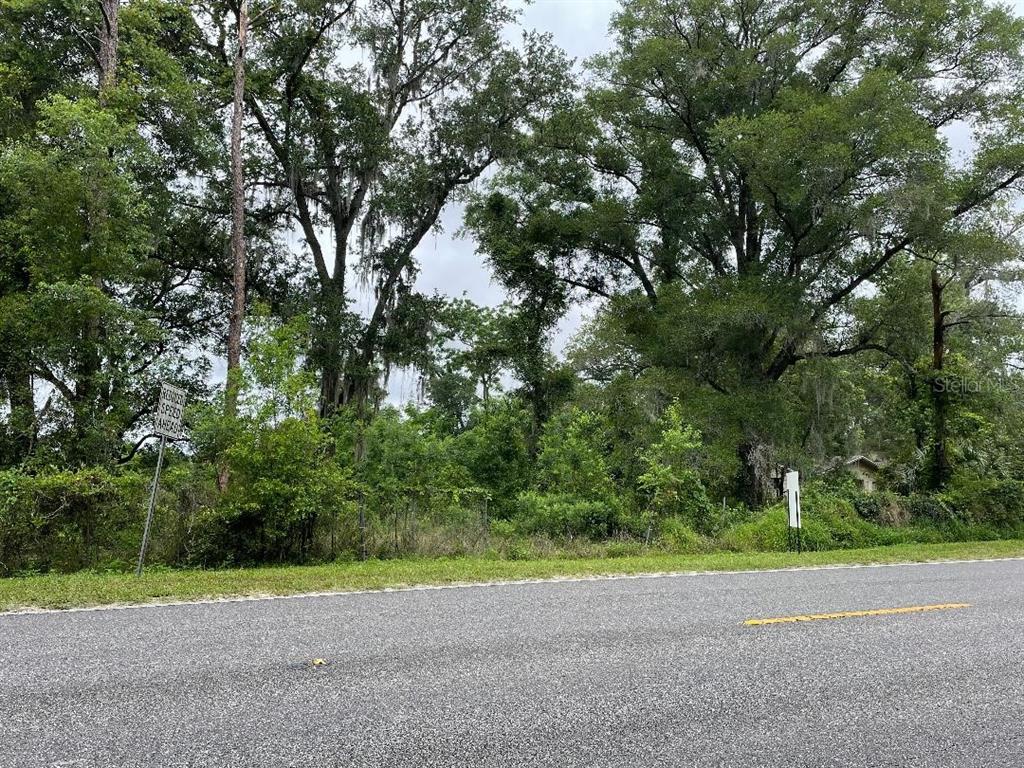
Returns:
<point x="164" y="585"/>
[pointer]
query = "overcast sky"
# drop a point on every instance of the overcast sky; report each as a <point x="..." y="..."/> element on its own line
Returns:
<point x="450" y="265"/>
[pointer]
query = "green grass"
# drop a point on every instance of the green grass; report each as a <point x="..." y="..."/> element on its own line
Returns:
<point x="90" y="588"/>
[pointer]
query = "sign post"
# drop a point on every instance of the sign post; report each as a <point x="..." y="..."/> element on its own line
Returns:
<point x="168" y="424"/>
<point x="792" y="488"/>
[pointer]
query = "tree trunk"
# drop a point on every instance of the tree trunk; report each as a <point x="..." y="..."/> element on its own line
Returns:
<point x="237" y="220"/>
<point x="328" y="348"/>
<point x="757" y="473"/>
<point x="940" y="469"/>
<point x="108" y="38"/>
<point x="237" y="316"/>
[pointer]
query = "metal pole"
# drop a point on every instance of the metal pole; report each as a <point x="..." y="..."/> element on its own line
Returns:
<point x="362" y="530"/>
<point x="152" y="506"/>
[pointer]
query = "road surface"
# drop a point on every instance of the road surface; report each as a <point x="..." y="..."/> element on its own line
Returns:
<point x="625" y="672"/>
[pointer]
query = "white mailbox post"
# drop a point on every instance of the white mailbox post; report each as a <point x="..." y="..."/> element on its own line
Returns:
<point x="167" y="424"/>
<point x="791" y="486"/>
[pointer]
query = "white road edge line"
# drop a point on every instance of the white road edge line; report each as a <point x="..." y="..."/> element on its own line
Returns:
<point x="474" y="585"/>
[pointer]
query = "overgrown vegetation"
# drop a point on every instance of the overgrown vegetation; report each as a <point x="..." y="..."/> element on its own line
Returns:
<point x="299" y="494"/>
<point x="787" y="256"/>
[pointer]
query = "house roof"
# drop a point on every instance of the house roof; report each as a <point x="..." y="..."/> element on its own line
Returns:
<point x="864" y="460"/>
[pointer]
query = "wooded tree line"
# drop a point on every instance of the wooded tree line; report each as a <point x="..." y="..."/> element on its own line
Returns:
<point x="795" y="226"/>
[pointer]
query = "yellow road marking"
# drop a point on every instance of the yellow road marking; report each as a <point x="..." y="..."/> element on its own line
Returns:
<point x="851" y="614"/>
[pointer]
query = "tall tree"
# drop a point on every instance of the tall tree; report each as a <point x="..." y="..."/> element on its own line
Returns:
<point x="237" y="316"/>
<point x="237" y="214"/>
<point x="949" y="324"/>
<point x="742" y="171"/>
<point x="373" y="116"/>
<point x="98" y="297"/>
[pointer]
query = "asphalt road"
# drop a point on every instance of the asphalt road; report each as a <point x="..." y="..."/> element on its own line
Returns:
<point x="630" y="672"/>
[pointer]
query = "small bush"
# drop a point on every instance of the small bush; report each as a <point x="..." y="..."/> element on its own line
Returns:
<point x="494" y="452"/>
<point x="676" y="536"/>
<point x="573" y="457"/>
<point x="930" y="509"/>
<point x="286" y="491"/>
<point x="518" y="550"/>
<point x="870" y="506"/>
<point x="829" y="522"/>
<point x="565" y="516"/>
<point x="670" y="484"/>
<point x="769" y="532"/>
<point x="616" y="549"/>
<point x="503" y="529"/>
<point x="995" y="503"/>
<point x="69" y="520"/>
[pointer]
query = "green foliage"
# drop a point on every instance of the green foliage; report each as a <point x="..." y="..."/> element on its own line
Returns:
<point x="576" y="495"/>
<point x="573" y="456"/>
<point x="825" y="529"/>
<point x="830" y="521"/>
<point x="495" y="453"/>
<point x="670" y="483"/>
<point x="403" y="456"/>
<point x="784" y="261"/>
<point x="931" y="510"/>
<point x="100" y="297"/>
<point x="722" y="196"/>
<point x="995" y="503"/>
<point x="290" y="482"/>
<point x="68" y="520"/>
<point x="883" y="508"/>
<point x="769" y="532"/>
<point x="566" y="516"/>
<point x="974" y="511"/>
<point x="676" y="536"/>
<point x="285" y="487"/>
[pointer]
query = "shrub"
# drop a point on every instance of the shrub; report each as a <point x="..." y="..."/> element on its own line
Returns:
<point x="565" y="516"/>
<point x="69" y="520"/>
<point x="670" y="483"/>
<point x="882" y="508"/>
<point x="518" y="550"/>
<point x="829" y="522"/>
<point x="868" y="506"/>
<point x="769" y="531"/>
<point x="503" y="529"/>
<point x="573" y="457"/>
<point x="930" y="509"/>
<point x="417" y="495"/>
<point x="995" y="503"/>
<point x="291" y="492"/>
<point x="616" y="549"/>
<point x="286" y="487"/>
<point x="676" y="536"/>
<point x="494" y="452"/>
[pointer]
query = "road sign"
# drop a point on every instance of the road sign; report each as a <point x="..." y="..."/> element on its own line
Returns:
<point x="791" y="485"/>
<point x="169" y="411"/>
<point x="792" y="488"/>
<point x="167" y="424"/>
